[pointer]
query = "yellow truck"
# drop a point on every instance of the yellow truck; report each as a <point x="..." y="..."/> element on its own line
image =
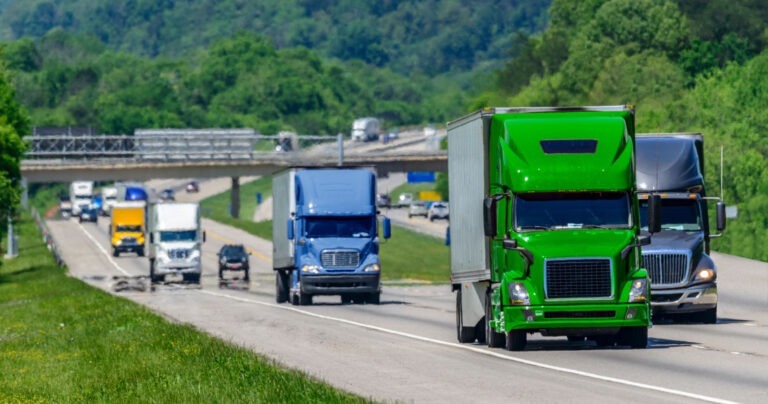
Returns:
<point x="127" y="228"/>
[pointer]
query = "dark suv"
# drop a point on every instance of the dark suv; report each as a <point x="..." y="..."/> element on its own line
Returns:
<point x="233" y="257"/>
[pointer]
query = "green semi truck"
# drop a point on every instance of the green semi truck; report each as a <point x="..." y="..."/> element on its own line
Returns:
<point x="545" y="226"/>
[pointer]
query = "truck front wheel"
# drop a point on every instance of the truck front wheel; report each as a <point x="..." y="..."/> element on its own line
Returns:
<point x="635" y="337"/>
<point x="516" y="340"/>
<point x="493" y="338"/>
<point x="374" y="298"/>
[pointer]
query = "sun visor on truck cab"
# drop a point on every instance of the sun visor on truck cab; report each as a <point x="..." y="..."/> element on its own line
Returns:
<point x="667" y="164"/>
<point x="335" y="192"/>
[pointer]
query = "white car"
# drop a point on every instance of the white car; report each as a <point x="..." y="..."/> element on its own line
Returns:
<point x="417" y="208"/>
<point x="438" y="210"/>
<point x="404" y="199"/>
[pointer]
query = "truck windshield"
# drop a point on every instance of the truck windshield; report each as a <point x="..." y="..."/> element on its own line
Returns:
<point x="168" y="236"/>
<point x="317" y="227"/>
<point x="676" y="214"/>
<point x="128" y="228"/>
<point x="582" y="210"/>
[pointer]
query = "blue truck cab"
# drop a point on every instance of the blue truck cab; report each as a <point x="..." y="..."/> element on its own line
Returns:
<point x="325" y="235"/>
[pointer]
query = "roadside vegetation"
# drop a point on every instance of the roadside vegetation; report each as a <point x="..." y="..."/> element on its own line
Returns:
<point x="216" y="207"/>
<point x="64" y="341"/>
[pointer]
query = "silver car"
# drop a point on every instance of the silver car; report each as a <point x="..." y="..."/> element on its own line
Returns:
<point x="438" y="210"/>
<point x="417" y="208"/>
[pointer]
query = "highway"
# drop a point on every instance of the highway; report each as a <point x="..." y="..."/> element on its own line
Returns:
<point x="405" y="349"/>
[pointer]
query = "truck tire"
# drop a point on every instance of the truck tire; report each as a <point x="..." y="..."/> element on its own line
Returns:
<point x="708" y="316"/>
<point x="152" y="277"/>
<point x="464" y="334"/>
<point x="493" y="338"/>
<point x="221" y="273"/>
<point x="373" y="298"/>
<point x="516" y="340"/>
<point x="247" y="275"/>
<point x="305" y="299"/>
<point x="604" y="340"/>
<point x="281" y="287"/>
<point x="140" y="252"/>
<point x="192" y="278"/>
<point x="346" y="299"/>
<point x="115" y="253"/>
<point x="635" y="337"/>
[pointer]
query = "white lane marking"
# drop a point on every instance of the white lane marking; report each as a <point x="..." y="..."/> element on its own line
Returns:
<point x="96" y="243"/>
<point x="481" y="351"/>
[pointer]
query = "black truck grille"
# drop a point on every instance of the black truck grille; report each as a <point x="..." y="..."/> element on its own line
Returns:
<point x="578" y="278"/>
<point x="340" y="258"/>
<point x="178" y="254"/>
<point x="666" y="269"/>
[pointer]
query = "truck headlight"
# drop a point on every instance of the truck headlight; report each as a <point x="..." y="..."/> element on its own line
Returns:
<point x="639" y="291"/>
<point x="706" y="275"/>
<point x="518" y="294"/>
<point x="371" y="268"/>
<point x="311" y="269"/>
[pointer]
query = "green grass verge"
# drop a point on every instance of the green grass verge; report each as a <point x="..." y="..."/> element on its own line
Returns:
<point x="217" y="208"/>
<point x="63" y="341"/>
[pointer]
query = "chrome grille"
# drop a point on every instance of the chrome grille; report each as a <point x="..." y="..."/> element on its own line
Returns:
<point x="667" y="268"/>
<point x="178" y="254"/>
<point x="340" y="258"/>
<point x="578" y="278"/>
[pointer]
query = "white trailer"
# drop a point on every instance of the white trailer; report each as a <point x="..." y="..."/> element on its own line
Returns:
<point x="175" y="241"/>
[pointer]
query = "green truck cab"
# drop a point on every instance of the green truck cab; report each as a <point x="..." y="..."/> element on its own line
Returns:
<point x="545" y="226"/>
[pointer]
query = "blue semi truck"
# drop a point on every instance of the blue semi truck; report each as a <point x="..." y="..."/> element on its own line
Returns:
<point x="325" y="235"/>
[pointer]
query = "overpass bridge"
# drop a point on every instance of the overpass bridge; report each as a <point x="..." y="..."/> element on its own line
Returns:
<point x="213" y="153"/>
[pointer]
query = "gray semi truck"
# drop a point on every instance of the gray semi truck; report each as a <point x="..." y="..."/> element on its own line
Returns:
<point x="683" y="275"/>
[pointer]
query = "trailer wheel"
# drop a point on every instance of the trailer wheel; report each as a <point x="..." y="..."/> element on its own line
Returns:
<point x="281" y="287"/>
<point x="635" y="337"/>
<point x="516" y="340"/>
<point x="493" y="338"/>
<point x="464" y="334"/>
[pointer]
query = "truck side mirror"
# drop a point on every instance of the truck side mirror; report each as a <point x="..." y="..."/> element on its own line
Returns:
<point x="387" y="227"/>
<point x="654" y="213"/>
<point x="720" y="212"/>
<point x="289" y="229"/>
<point x="489" y="217"/>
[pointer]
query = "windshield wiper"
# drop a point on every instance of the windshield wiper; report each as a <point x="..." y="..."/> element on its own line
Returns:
<point x="533" y="227"/>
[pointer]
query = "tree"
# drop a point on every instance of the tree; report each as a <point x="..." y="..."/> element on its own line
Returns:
<point x="14" y="123"/>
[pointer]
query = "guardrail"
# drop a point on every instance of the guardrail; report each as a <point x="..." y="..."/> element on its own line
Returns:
<point x="47" y="237"/>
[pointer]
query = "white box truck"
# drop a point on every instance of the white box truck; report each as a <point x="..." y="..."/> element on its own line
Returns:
<point x="366" y="129"/>
<point x="108" y="200"/>
<point x="175" y="241"/>
<point x="80" y="193"/>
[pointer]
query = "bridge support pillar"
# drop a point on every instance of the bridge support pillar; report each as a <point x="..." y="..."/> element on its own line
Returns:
<point x="235" y="198"/>
<point x="24" y="194"/>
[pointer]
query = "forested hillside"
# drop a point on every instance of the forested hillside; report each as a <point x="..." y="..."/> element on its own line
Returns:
<point x="687" y="66"/>
<point x="408" y="36"/>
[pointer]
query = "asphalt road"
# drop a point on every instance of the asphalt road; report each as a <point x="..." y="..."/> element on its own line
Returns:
<point x="405" y="349"/>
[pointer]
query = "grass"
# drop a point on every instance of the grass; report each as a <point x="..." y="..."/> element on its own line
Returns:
<point x="63" y="341"/>
<point x="217" y="208"/>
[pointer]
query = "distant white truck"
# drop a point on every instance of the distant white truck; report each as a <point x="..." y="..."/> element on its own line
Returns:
<point x="108" y="198"/>
<point x="175" y="241"/>
<point x="80" y="193"/>
<point x="366" y="129"/>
